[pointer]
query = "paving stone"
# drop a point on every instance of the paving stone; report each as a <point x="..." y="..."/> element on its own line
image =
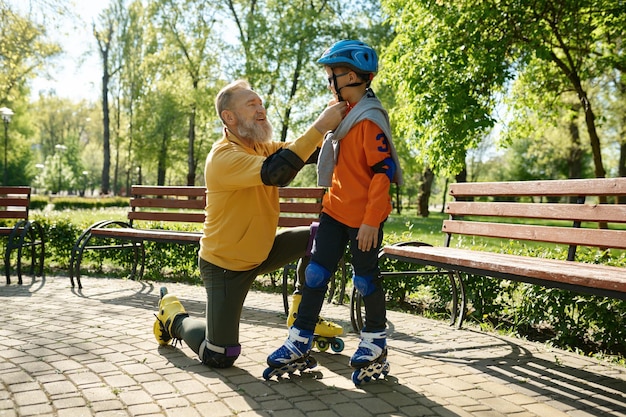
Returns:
<point x="96" y="356"/>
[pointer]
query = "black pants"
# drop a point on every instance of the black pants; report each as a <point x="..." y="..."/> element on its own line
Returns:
<point x="328" y="249"/>
<point x="226" y="291"/>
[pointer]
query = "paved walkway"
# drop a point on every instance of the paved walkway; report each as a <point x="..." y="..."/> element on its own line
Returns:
<point x="65" y="352"/>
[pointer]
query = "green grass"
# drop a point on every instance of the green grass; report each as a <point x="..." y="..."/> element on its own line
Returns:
<point x="409" y="226"/>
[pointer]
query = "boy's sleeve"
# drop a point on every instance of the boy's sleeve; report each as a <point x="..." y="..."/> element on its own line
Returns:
<point x="379" y="159"/>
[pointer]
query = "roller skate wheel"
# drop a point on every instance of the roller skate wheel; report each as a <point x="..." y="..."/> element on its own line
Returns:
<point x="337" y="345"/>
<point x="322" y="344"/>
<point x="355" y="377"/>
<point x="268" y="373"/>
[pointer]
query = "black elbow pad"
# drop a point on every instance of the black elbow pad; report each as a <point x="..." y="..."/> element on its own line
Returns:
<point x="280" y="168"/>
<point x="313" y="158"/>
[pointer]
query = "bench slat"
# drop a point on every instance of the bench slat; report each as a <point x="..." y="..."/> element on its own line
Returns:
<point x="14" y="201"/>
<point x="313" y="208"/>
<point x="573" y="273"/>
<point x="167" y="203"/>
<point x="562" y="235"/>
<point x="581" y="212"/>
<point x="15" y="190"/>
<point x="166" y="190"/>
<point x="169" y="216"/>
<point x="301" y="192"/>
<point x="594" y="187"/>
<point x="147" y="234"/>
<point x="295" y="221"/>
<point x="14" y="214"/>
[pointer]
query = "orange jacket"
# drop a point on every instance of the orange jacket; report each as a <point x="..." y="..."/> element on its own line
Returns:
<point x="358" y="195"/>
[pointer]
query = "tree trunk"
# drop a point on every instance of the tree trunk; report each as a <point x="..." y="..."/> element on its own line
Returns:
<point x="106" y="136"/>
<point x="104" y="46"/>
<point x="621" y="169"/>
<point x="621" y="166"/>
<point x="445" y="194"/>
<point x="191" y="158"/>
<point x="161" y="167"/>
<point x="398" y="199"/>
<point x="116" y="166"/>
<point x="590" y="118"/>
<point x="574" y="160"/>
<point x="295" y="80"/>
<point x="424" y="193"/>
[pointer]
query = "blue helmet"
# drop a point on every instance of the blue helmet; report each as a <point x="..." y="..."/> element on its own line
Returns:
<point x="353" y="54"/>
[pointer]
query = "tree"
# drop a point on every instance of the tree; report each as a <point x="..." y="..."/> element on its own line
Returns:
<point x="446" y="64"/>
<point x="281" y="40"/>
<point x="23" y="51"/>
<point x="450" y="59"/>
<point x="190" y="44"/>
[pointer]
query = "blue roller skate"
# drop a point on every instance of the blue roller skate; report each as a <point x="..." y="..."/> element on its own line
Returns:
<point x="292" y="356"/>
<point x="370" y="359"/>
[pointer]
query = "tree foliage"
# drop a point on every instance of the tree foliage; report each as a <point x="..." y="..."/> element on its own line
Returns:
<point x="24" y="49"/>
<point x="449" y="70"/>
<point x="450" y="60"/>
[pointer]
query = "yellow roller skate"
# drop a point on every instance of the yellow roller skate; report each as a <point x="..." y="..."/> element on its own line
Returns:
<point x="169" y="308"/>
<point x="325" y="333"/>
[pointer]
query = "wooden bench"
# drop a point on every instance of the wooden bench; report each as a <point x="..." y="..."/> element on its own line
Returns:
<point x="177" y="204"/>
<point x="163" y="204"/>
<point x="23" y="234"/>
<point x="561" y="212"/>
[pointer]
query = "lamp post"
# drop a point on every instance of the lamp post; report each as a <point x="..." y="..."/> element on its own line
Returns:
<point x="59" y="148"/>
<point x="6" y="118"/>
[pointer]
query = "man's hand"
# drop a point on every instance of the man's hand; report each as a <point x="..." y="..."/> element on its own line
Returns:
<point x="367" y="237"/>
<point x="331" y="117"/>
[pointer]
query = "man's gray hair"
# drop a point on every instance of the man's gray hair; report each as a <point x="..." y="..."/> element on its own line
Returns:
<point x="224" y="97"/>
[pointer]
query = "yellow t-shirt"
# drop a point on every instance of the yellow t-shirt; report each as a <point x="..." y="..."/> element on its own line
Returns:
<point x="242" y="212"/>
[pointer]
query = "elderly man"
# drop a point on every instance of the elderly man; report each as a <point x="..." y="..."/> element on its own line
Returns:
<point x="240" y="240"/>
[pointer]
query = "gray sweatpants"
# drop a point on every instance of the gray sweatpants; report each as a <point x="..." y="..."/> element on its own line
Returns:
<point x="226" y="291"/>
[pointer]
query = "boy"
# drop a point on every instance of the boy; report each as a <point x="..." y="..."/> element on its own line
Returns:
<point x="354" y="211"/>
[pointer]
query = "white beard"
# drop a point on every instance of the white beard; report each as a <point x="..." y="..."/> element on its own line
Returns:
<point x="255" y="132"/>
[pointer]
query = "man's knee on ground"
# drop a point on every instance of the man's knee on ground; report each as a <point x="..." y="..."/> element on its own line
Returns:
<point x="316" y="275"/>
<point x="218" y="356"/>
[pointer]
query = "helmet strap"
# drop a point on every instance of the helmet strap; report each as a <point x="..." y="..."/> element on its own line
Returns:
<point x="338" y="89"/>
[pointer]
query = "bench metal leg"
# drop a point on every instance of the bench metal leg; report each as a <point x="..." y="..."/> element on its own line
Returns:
<point x="458" y="308"/>
<point x="36" y="240"/>
<point x="462" y="297"/>
<point x="356" y="310"/>
<point x="20" y="246"/>
<point x="7" y="265"/>
<point x="141" y="246"/>
<point x="81" y="245"/>
<point x="452" y="277"/>
<point x="285" y="285"/>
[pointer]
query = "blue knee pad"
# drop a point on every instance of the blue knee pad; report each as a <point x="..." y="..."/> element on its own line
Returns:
<point x="316" y="276"/>
<point x="365" y="285"/>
